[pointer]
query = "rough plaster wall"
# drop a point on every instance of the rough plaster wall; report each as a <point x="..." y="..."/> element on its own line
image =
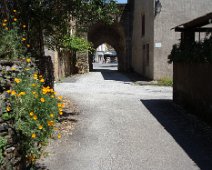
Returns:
<point x="142" y="7"/>
<point x="173" y="13"/>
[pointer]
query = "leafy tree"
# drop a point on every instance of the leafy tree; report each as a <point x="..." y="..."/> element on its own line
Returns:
<point x="51" y="18"/>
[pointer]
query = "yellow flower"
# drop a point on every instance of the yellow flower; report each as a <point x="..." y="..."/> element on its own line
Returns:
<point x="42" y="80"/>
<point x="33" y="135"/>
<point x="8" y="108"/>
<point x="24" y="26"/>
<point x="50" y="123"/>
<point x="52" y="96"/>
<point x="42" y="100"/>
<point x="59" y="105"/>
<point x="4" y="24"/>
<point x="13" y="92"/>
<point x="5" y="20"/>
<point x="27" y="69"/>
<point x="35" y="76"/>
<point x="60" y="110"/>
<point x="13" y="68"/>
<point x="23" y="39"/>
<point x="31" y="113"/>
<point x="59" y="136"/>
<point x="22" y="93"/>
<point x="61" y="113"/>
<point x="52" y="115"/>
<point x="15" y="19"/>
<point x="35" y="117"/>
<point x="40" y="127"/>
<point x="6" y="28"/>
<point x="60" y="97"/>
<point x="17" y="80"/>
<point x="33" y="85"/>
<point x="14" y="11"/>
<point x="34" y="92"/>
<point x="28" y="60"/>
<point x="8" y="91"/>
<point x="28" y="45"/>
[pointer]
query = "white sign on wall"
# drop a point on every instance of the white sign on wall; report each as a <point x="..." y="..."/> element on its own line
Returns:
<point x="158" y="45"/>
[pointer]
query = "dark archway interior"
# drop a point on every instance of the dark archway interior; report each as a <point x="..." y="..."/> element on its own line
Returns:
<point x="110" y="34"/>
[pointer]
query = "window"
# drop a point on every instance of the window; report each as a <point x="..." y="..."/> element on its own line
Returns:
<point x="142" y="25"/>
<point x="147" y="54"/>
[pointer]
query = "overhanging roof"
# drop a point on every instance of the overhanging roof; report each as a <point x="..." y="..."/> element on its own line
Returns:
<point x="196" y="24"/>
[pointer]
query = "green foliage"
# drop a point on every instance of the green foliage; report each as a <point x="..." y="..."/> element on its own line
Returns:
<point x="10" y="44"/>
<point x="34" y="110"/>
<point x="77" y="44"/>
<point x="50" y="20"/>
<point x="197" y="52"/>
<point x="3" y="143"/>
<point x="165" y="82"/>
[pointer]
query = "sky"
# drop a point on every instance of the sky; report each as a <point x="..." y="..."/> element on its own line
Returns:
<point x="122" y="1"/>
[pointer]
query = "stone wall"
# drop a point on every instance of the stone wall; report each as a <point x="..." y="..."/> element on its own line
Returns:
<point x="11" y="157"/>
<point x="59" y="65"/>
<point x="192" y="88"/>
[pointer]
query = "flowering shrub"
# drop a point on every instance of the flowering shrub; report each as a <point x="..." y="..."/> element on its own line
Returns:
<point x="31" y="108"/>
<point x="34" y="110"/>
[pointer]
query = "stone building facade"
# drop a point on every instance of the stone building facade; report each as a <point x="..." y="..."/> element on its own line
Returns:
<point x="152" y="34"/>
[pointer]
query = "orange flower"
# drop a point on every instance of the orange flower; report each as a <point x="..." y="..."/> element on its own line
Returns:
<point x="60" y="97"/>
<point x="22" y="94"/>
<point x="35" y="117"/>
<point x="17" y="80"/>
<point x="42" y="100"/>
<point x="33" y="135"/>
<point x="35" y="76"/>
<point x="8" y="91"/>
<point x="13" y="92"/>
<point x="42" y="80"/>
<point x="40" y="127"/>
<point x="23" y="39"/>
<point x="31" y="113"/>
<point x="8" y="108"/>
<point x="50" y="123"/>
<point x="15" y="19"/>
<point x="28" y="60"/>
<point x="59" y="136"/>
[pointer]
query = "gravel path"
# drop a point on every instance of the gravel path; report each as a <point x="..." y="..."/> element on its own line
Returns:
<point x="123" y="126"/>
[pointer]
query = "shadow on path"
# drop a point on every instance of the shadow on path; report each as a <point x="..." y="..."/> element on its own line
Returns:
<point x="194" y="136"/>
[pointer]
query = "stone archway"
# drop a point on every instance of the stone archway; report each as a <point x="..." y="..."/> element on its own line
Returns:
<point x="111" y="34"/>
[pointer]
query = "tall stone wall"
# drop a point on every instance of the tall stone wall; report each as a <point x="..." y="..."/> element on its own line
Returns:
<point x="11" y="154"/>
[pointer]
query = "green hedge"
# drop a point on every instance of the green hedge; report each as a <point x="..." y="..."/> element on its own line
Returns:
<point x="197" y="52"/>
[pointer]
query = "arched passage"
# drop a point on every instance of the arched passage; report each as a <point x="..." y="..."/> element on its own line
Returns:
<point x="110" y="34"/>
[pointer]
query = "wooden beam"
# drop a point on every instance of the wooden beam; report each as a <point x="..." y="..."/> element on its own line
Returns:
<point x="204" y="29"/>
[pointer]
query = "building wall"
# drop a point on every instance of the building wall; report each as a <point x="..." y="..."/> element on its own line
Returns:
<point x="173" y="13"/>
<point x="138" y="41"/>
<point x="159" y="33"/>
